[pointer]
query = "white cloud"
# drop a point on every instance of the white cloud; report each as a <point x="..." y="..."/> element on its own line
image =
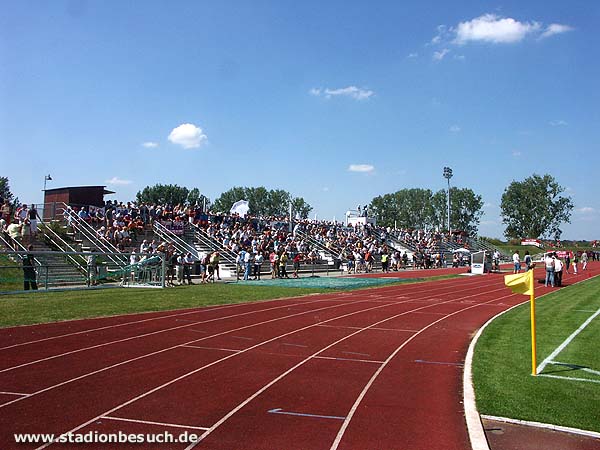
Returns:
<point x="586" y="210"/>
<point x="363" y="168"/>
<point x="188" y="136"/>
<point x="495" y="29"/>
<point x="150" y="144"/>
<point x="558" y="123"/>
<point x="516" y="153"/>
<point x="555" y="28"/>
<point x="412" y="55"/>
<point x="350" y="91"/>
<point x="438" y="56"/>
<point x="488" y="205"/>
<point x="454" y="129"/>
<point x="118" y="181"/>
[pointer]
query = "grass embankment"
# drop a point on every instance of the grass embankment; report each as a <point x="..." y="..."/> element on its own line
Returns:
<point x="53" y="306"/>
<point x="502" y="363"/>
<point x="41" y="307"/>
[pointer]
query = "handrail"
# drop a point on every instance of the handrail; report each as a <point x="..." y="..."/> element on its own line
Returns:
<point x="202" y="237"/>
<point x="167" y="235"/>
<point x="54" y="237"/>
<point x="90" y="234"/>
<point x="318" y="245"/>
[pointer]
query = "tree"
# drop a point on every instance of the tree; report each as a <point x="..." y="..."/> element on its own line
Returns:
<point x="534" y="208"/>
<point x="6" y="194"/>
<point x="170" y="194"/>
<point x="407" y="208"/>
<point x="420" y="209"/>
<point x="262" y="202"/>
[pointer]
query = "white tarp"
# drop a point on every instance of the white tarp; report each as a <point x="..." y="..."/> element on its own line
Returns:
<point x="461" y="250"/>
<point x="240" y="207"/>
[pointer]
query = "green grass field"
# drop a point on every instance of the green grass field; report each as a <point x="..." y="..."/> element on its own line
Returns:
<point x="566" y="394"/>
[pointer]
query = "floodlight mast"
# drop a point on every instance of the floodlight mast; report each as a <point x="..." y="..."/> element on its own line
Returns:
<point x="447" y="176"/>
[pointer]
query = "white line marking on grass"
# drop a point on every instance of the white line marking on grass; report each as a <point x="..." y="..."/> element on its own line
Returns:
<point x="576" y="367"/>
<point x="560" y="377"/>
<point x="567" y="341"/>
<point x="543" y="425"/>
<point x="584" y="310"/>
<point x="173" y="425"/>
<point x="315" y="416"/>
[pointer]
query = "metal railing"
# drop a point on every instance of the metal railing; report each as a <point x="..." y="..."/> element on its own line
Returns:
<point x="168" y="236"/>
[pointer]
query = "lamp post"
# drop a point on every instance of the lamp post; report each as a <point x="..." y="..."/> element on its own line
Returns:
<point x="447" y="176"/>
<point x="46" y="178"/>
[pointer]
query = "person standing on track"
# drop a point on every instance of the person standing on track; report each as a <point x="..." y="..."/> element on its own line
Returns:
<point x="558" y="269"/>
<point x="549" y="263"/>
<point x="516" y="261"/>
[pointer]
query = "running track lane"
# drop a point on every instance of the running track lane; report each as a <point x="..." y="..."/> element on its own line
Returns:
<point x="325" y="373"/>
<point x="118" y="384"/>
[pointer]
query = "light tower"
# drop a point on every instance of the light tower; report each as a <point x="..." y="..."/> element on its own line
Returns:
<point x="447" y="176"/>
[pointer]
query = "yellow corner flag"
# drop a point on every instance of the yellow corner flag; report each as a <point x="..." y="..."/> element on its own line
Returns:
<point x="520" y="283"/>
<point x="523" y="283"/>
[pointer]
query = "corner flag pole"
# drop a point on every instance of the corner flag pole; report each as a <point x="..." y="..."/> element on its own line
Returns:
<point x="532" y="307"/>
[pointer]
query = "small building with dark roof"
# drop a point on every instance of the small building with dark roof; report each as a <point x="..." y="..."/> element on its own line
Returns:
<point x="75" y="196"/>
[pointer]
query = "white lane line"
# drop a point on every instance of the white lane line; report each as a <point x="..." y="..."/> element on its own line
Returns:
<point x="356" y="353"/>
<point x="243" y="337"/>
<point x="567" y="341"/>
<point x="376" y="329"/>
<point x="349" y="359"/>
<point x="135" y="337"/>
<point x="294" y="345"/>
<point x="546" y="426"/>
<point x="206" y="366"/>
<point x="312" y="416"/>
<point x="283" y="375"/>
<point x="147" y="422"/>
<point x="210" y="348"/>
<point x="359" y="399"/>
<point x="441" y="363"/>
<point x="170" y="348"/>
<point x="187" y="312"/>
<point x="14" y="393"/>
<point x="344" y="297"/>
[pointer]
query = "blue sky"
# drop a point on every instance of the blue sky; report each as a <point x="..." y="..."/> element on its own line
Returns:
<point x="336" y="102"/>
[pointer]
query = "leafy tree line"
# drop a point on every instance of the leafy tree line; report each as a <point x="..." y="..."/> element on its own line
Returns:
<point x="532" y="208"/>
<point x="262" y="202"/>
<point x="423" y="209"/>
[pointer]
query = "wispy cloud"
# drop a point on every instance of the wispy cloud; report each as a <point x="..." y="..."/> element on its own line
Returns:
<point x="412" y="55"/>
<point x="586" y="210"/>
<point x="438" y="56"/>
<point x="555" y="28"/>
<point x="454" y="129"/>
<point x="150" y="144"/>
<point x="350" y="91"/>
<point x="558" y="123"/>
<point x="188" y="136"/>
<point x="362" y="168"/>
<point x="517" y="153"/>
<point x="118" y="181"/>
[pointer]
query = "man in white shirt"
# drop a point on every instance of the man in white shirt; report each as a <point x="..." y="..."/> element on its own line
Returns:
<point x="516" y="261"/>
<point x="558" y="269"/>
<point x="549" y="263"/>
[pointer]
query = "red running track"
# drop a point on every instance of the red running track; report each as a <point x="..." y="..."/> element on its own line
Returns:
<point x="371" y="369"/>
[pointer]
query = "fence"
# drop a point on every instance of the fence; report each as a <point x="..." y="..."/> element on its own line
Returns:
<point x="21" y="270"/>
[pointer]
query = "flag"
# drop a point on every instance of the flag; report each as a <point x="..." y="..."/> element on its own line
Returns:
<point x="240" y="207"/>
<point x="520" y="283"/>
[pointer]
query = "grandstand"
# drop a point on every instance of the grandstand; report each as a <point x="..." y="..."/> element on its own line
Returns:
<point x="121" y="234"/>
